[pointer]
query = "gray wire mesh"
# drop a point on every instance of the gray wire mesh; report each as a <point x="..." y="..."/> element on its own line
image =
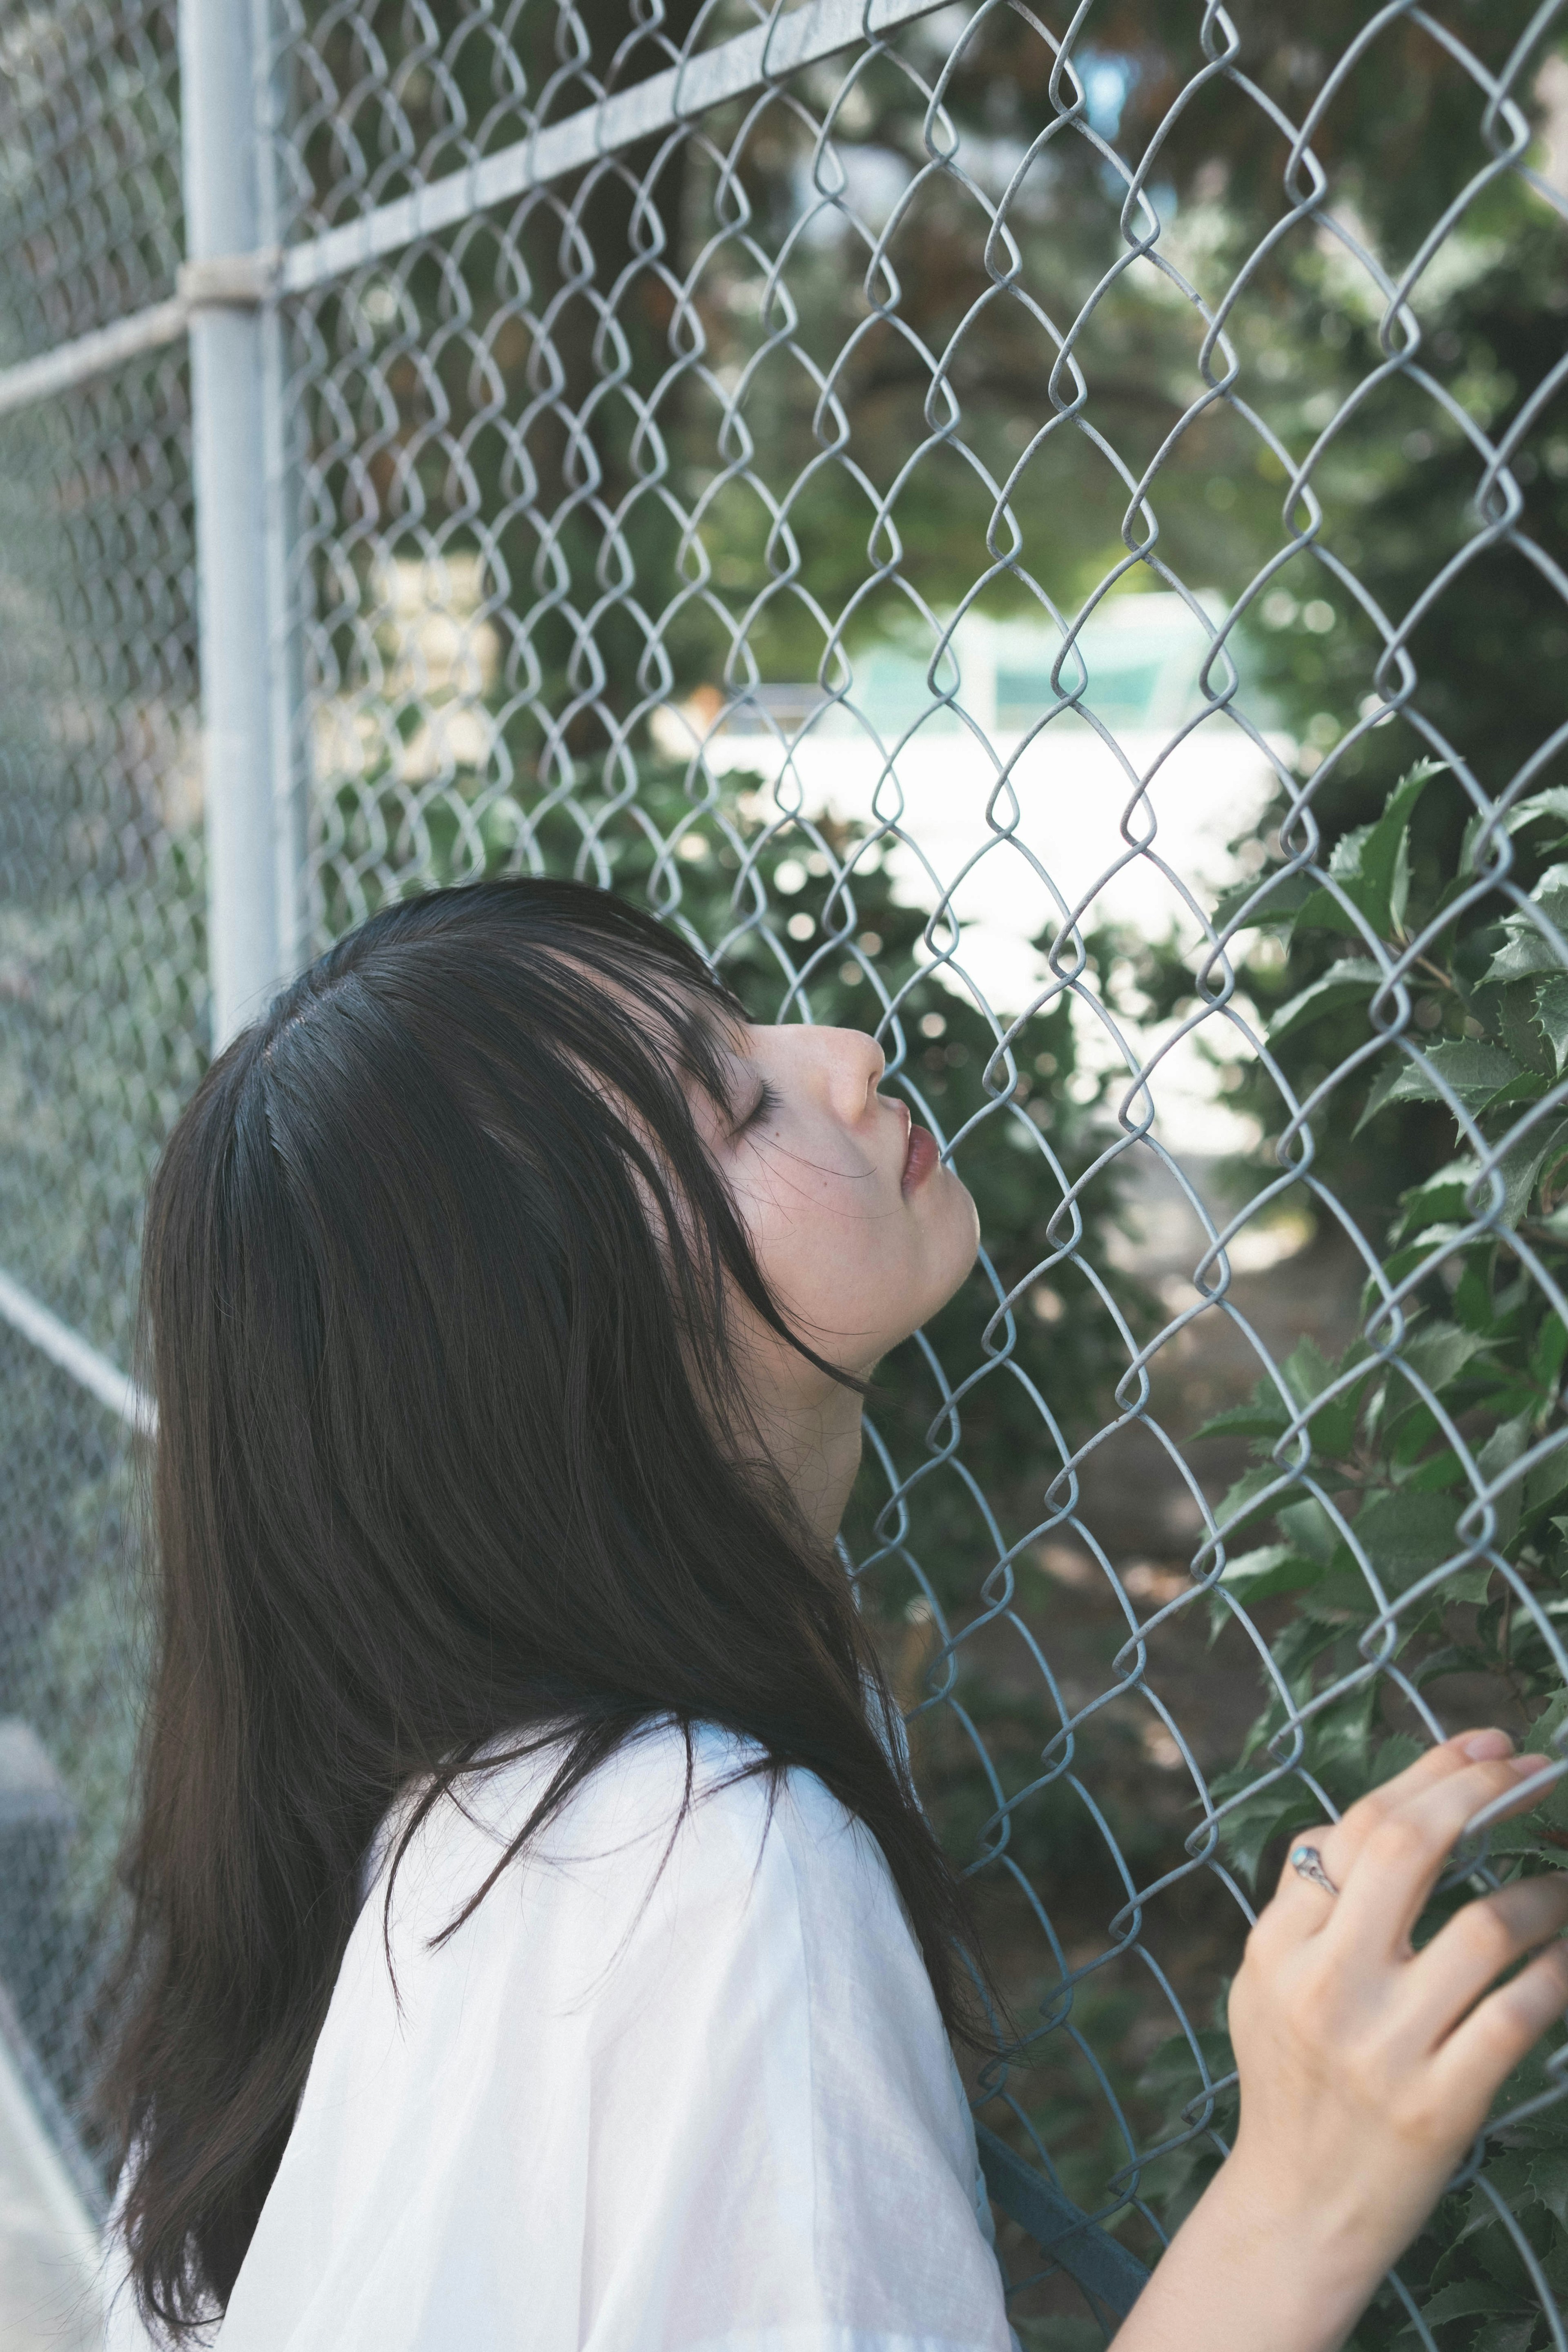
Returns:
<point x="90" y="134"/>
<point x="913" y="519"/>
<point x="101" y="961"/>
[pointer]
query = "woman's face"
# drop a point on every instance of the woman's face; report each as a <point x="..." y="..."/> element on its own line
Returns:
<point x="858" y="1229"/>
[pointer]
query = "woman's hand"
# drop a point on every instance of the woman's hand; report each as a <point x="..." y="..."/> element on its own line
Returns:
<point x="1366" y="2067"/>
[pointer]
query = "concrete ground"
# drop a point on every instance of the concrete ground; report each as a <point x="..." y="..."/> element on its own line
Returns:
<point x="49" y="2254"/>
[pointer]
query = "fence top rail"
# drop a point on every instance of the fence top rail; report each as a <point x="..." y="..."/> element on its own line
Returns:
<point x="731" y="69"/>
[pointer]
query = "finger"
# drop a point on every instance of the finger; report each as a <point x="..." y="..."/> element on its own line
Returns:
<point x="1499" y="2032"/>
<point x="1487" y="1936"/>
<point x="1396" y="1864"/>
<point x="1487" y="1746"/>
<point x="1337" y="1843"/>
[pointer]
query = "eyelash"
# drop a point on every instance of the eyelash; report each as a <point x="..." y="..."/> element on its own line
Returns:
<point x="767" y="1102"/>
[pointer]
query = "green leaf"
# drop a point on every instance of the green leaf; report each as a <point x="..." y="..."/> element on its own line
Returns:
<point x="1440" y="1200"/>
<point x="1395" y="1269"/>
<point x="1306" y="1374"/>
<point x="1527" y="951"/>
<point x="1236" y="1510"/>
<point x="1403" y="1536"/>
<point x="1308" y="1526"/>
<point x="1438" y="1353"/>
<point x="1547" y="1351"/>
<point x="1549" y="2179"/>
<point x="1545" y="1483"/>
<point x="1265" y="1417"/>
<point x="1525" y="1163"/>
<point x="1498" y="1455"/>
<point x="1372" y="865"/>
<point x="1475" y="1071"/>
<point x="1505" y="2334"/>
<point x="1307" y="1371"/>
<point x="1553" y="802"/>
<point x="1272" y="1568"/>
<point x="1465" y="2299"/>
<point x="1246" y="1833"/>
<point x="1281" y="903"/>
<point x="1552" y="1018"/>
<point x="1540" y="1740"/>
<point x="1386" y="861"/>
<point x="1514" y="1014"/>
<point x="1431" y="1476"/>
<point x="1339" y="1742"/>
<point x="1398" y="1750"/>
<point x="1342" y="984"/>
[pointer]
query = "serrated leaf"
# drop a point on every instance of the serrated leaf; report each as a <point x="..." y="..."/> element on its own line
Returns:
<point x="1514" y="1013"/>
<point x="1309" y="1527"/>
<point x="1404" y="1537"/>
<point x="1279" y="901"/>
<point x="1541" y="1738"/>
<point x="1552" y="1017"/>
<point x="1438" y="1353"/>
<point x="1341" y="1740"/>
<point x="1236" y="1510"/>
<point x="1468" y="2299"/>
<point x="1398" y="1750"/>
<point x="1265" y="1417"/>
<point x="1272" y="1568"/>
<point x="1307" y="1371"/>
<point x="1547" y="1351"/>
<point x="1496" y="1458"/>
<point x="1344" y="983"/>
<point x="1386" y="861"/>
<point x="1440" y="1200"/>
<point x="1527" y="951"/>
<point x="1247" y="1832"/>
<point x="1553" y="802"/>
<point x="1546" y="1481"/>
<point x="1505" y="2334"/>
<point x="1429" y="1249"/>
<point x="1377" y="865"/>
<point x="1549" y="2183"/>
<point x="1430" y="1478"/>
<point x="1475" y="1072"/>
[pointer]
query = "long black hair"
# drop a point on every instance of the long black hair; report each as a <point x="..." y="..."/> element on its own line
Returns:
<point x="451" y="1445"/>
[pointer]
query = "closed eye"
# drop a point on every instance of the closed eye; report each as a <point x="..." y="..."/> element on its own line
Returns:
<point x="768" y="1101"/>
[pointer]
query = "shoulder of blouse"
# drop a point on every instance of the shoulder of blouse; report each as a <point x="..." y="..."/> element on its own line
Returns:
<point x="643" y="1817"/>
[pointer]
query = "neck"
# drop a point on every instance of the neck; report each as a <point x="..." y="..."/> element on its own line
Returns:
<point x="815" y="1446"/>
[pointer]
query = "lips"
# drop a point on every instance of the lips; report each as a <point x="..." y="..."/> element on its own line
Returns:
<point x="920" y="1156"/>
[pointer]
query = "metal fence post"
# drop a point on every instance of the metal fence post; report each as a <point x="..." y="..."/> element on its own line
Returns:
<point x="240" y="638"/>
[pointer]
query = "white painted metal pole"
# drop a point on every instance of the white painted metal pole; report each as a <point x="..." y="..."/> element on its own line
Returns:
<point x="238" y="640"/>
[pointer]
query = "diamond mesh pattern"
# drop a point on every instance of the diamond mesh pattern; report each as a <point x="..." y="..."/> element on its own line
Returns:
<point x="90" y="197"/>
<point x="971" y="529"/>
<point x="103" y="988"/>
<point x="616" y="497"/>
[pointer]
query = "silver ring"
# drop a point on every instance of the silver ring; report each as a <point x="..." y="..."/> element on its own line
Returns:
<point x="1308" y="1863"/>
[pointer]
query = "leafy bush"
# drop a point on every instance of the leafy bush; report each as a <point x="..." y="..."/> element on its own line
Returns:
<point x="1405" y="1521"/>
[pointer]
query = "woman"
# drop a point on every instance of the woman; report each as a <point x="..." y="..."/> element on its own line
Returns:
<point x="537" y="1940"/>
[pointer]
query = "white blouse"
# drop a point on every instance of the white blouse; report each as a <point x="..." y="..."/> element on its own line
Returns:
<point x="627" y="2110"/>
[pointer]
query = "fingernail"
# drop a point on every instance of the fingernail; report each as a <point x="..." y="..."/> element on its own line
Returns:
<point x="1527" y="1766"/>
<point x="1482" y="1746"/>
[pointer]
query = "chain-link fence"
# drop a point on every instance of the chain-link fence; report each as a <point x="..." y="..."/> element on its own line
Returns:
<point x="975" y="514"/>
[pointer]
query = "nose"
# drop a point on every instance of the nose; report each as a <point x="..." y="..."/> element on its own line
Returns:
<point x="855" y="1066"/>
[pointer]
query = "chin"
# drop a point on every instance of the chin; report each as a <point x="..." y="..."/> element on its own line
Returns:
<point x="951" y="1247"/>
<point x="965" y="1218"/>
